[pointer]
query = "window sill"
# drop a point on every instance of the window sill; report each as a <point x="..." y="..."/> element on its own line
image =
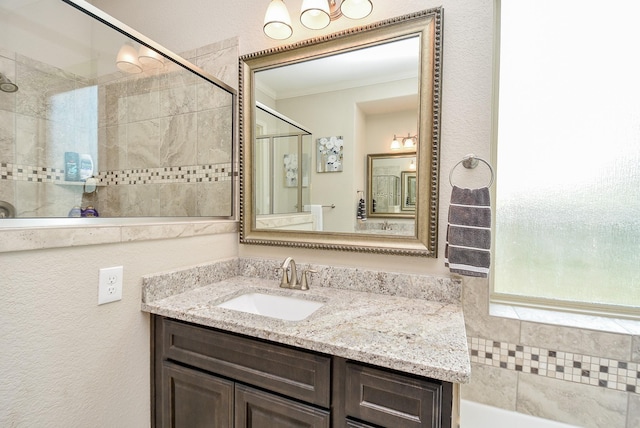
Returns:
<point x="566" y="319"/>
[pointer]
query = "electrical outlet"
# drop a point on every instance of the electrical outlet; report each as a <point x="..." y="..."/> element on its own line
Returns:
<point x="110" y="285"/>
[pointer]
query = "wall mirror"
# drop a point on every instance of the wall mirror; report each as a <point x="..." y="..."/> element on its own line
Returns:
<point x="313" y="115"/>
<point x="101" y="121"/>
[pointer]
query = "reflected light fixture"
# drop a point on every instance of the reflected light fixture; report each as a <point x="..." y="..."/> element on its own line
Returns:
<point x="134" y="61"/>
<point x="127" y="60"/>
<point x="314" y="14"/>
<point x="409" y="142"/>
<point x="395" y="144"/>
<point x="412" y="165"/>
<point x="149" y="58"/>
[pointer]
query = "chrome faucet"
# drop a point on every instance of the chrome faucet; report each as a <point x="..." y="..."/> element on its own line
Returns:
<point x="291" y="281"/>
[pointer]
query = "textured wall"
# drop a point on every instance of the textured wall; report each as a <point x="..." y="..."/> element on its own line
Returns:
<point x="64" y="361"/>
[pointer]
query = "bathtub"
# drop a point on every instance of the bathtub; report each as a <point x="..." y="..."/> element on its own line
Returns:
<point x="476" y="415"/>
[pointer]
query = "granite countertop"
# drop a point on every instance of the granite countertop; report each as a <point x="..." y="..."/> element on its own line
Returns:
<point x="412" y="335"/>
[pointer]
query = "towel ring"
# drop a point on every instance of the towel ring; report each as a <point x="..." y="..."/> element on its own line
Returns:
<point x="471" y="161"/>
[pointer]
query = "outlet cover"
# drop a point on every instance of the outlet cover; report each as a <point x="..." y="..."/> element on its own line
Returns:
<point x="110" y="285"/>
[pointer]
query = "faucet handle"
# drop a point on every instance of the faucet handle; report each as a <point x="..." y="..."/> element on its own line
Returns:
<point x="304" y="282"/>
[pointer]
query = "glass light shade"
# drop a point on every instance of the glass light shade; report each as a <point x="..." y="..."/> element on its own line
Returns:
<point x="409" y="143"/>
<point x="277" y="23"/>
<point x="395" y="144"/>
<point x="356" y="9"/>
<point x="127" y="60"/>
<point x="315" y="14"/>
<point x="149" y="58"/>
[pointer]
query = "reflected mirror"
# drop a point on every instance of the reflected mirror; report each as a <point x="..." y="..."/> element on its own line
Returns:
<point x="390" y="192"/>
<point x="317" y="121"/>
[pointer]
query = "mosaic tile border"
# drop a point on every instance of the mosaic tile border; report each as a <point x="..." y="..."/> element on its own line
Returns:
<point x="567" y="366"/>
<point x="170" y="174"/>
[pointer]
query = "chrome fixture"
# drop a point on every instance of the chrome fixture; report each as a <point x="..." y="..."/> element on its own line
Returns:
<point x="7" y="85"/>
<point x="314" y="14"/>
<point x="291" y="281"/>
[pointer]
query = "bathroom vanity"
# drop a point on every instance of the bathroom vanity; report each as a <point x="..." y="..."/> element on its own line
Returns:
<point x="362" y="359"/>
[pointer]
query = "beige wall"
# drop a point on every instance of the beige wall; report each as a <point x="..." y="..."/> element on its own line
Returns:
<point x="64" y="360"/>
<point x="466" y="127"/>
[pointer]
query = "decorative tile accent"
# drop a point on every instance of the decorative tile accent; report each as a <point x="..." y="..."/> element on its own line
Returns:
<point x="40" y="174"/>
<point x="571" y="367"/>
<point x="170" y="174"/>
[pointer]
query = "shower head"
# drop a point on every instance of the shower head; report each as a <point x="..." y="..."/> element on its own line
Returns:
<point x="7" y="85"/>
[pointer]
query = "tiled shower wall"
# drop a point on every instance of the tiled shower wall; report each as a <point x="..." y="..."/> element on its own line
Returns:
<point x="148" y="161"/>
<point x="581" y="376"/>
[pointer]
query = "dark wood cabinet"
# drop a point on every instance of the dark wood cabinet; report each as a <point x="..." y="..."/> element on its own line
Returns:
<point x="195" y="399"/>
<point x="203" y="377"/>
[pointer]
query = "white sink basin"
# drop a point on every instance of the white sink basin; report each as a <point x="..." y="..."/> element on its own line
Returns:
<point x="281" y="307"/>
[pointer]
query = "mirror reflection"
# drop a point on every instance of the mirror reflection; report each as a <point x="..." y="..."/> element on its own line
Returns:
<point x="348" y="106"/>
<point x="391" y="192"/>
<point x="314" y="113"/>
<point x="101" y="124"/>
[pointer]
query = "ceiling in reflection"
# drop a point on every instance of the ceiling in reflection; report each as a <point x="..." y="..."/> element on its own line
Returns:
<point x="369" y="66"/>
<point x="55" y="33"/>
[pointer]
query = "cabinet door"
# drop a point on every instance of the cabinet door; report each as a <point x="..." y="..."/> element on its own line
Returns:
<point x="258" y="409"/>
<point x="192" y="399"/>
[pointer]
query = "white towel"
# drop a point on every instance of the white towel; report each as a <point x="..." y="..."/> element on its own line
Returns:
<point x="316" y="213"/>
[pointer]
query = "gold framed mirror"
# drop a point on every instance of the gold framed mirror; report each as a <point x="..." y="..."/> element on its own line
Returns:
<point x="304" y="143"/>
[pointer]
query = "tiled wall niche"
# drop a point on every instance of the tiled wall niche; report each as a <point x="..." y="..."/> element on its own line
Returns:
<point x="162" y="146"/>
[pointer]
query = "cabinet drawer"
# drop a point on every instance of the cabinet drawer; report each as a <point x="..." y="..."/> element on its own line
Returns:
<point x="390" y="399"/>
<point x="299" y="374"/>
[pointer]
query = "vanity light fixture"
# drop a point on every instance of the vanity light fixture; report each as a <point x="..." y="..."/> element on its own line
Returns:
<point x="277" y="23"/>
<point x="133" y="61"/>
<point x="408" y="143"/>
<point x="314" y="14"/>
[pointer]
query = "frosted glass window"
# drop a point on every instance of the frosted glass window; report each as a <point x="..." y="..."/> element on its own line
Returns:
<point x="568" y="154"/>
